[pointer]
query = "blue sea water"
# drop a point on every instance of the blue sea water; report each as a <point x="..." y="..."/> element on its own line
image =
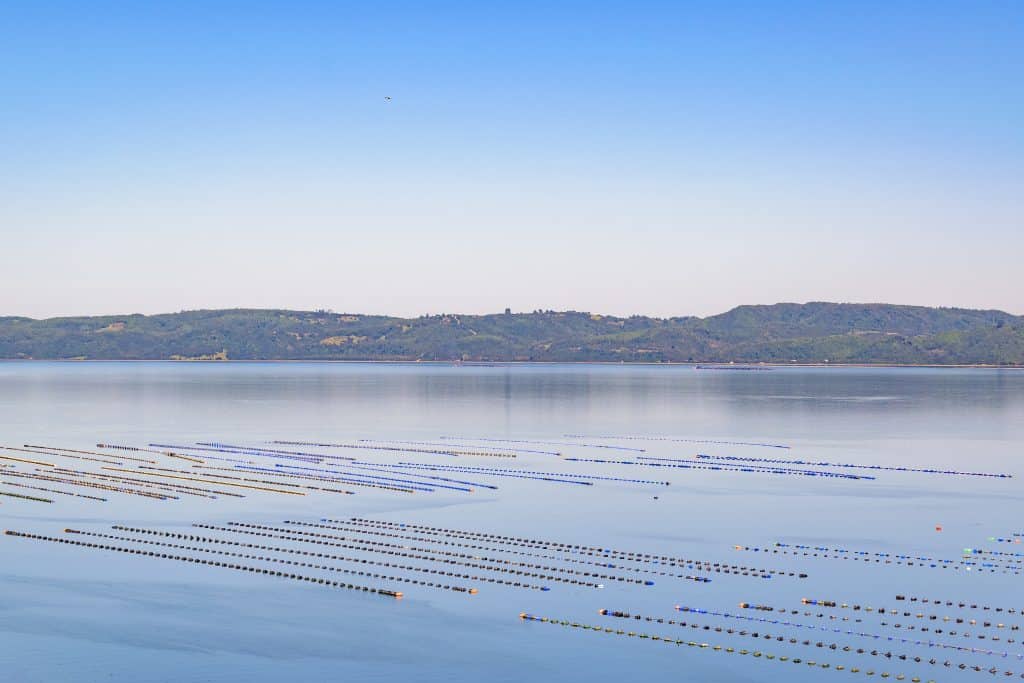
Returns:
<point x="74" y="614"/>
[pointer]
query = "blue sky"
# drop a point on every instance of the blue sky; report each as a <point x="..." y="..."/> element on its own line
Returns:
<point x="663" y="158"/>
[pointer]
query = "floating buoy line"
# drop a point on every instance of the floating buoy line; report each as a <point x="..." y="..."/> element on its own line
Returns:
<point x="680" y="463"/>
<point x="909" y="627"/>
<point x="105" y="456"/>
<point x="291" y="535"/>
<point x="879" y="557"/>
<point x="211" y="563"/>
<point x="547" y="443"/>
<point x="50" y="491"/>
<point x="924" y="470"/>
<point x="333" y="480"/>
<point x="675" y="440"/>
<point x="209" y="481"/>
<point x="35" y="499"/>
<point x="497" y="560"/>
<point x="807" y="643"/>
<point x="137" y="449"/>
<point x="431" y="451"/>
<point x="529" y="474"/>
<point x="919" y="615"/>
<point x="410" y="550"/>
<point x="165" y="486"/>
<point x="38" y="476"/>
<point x="829" y="629"/>
<point x="593" y="551"/>
<point x="458" y="445"/>
<point x="348" y="526"/>
<point x="490" y="473"/>
<point x="703" y="645"/>
<point x="328" y="556"/>
<point x="237" y="451"/>
<point x="208" y="473"/>
<point x="264" y="558"/>
<point x="35" y="451"/>
<point x="960" y="604"/>
<point x="416" y="484"/>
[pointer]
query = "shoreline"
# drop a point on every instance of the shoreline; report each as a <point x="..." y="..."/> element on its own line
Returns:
<point x="701" y="365"/>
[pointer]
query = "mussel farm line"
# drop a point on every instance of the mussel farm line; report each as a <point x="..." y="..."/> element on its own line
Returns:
<point x="917" y="659"/>
<point x="608" y="553"/>
<point x="211" y="563"/>
<point x="880" y="558"/>
<point x="683" y="464"/>
<point x="563" y="477"/>
<point x="832" y="629"/>
<point x="398" y="549"/>
<point x="924" y="470"/>
<point x="503" y="548"/>
<point x="546" y="443"/>
<point x="430" y="451"/>
<point x="457" y="445"/>
<point x="265" y="558"/>
<point x="675" y="440"/>
<point x="701" y="645"/>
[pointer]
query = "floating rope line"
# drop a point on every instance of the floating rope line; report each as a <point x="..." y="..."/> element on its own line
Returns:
<point x="263" y="558"/>
<point x="416" y="484"/>
<point x="703" y="646"/>
<point x="924" y="470"/>
<point x="254" y="450"/>
<point x="499" y="473"/>
<point x="961" y="605"/>
<point x="136" y="449"/>
<point x="566" y="547"/>
<point x="342" y="558"/>
<point x="211" y="563"/>
<point x="89" y="484"/>
<point x="545" y="476"/>
<point x="379" y="544"/>
<point x="807" y="643"/>
<point x="375" y="468"/>
<point x="498" y="560"/>
<point x="335" y="480"/>
<point x="41" y="488"/>
<point x="28" y="462"/>
<point x="20" y="496"/>
<point x="237" y="452"/>
<point x="491" y="548"/>
<point x="206" y="473"/>
<point x="1015" y="539"/>
<point x="288" y="536"/>
<point x="60" y="455"/>
<point x="752" y="469"/>
<point x="882" y="611"/>
<point x="547" y="443"/>
<point x="877" y="557"/>
<point x="675" y="440"/>
<point x="436" y="452"/>
<point x="457" y="445"/>
<point x="102" y="455"/>
<point x="208" y="481"/>
<point x="771" y="468"/>
<point x="814" y="627"/>
<point x="977" y="551"/>
<point x="177" y="488"/>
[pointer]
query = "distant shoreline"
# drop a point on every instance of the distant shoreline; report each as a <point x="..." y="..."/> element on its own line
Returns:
<point x="708" y="366"/>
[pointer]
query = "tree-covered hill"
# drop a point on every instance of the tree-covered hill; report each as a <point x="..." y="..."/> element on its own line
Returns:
<point x="781" y="333"/>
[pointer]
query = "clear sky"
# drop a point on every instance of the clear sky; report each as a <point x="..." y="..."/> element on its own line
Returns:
<point x="662" y="158"/>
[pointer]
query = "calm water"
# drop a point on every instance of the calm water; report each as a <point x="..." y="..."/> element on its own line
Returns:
<point x="74" y="614"/>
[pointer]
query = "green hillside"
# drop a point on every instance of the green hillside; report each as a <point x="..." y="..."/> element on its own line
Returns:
<point x="781" y="333"/>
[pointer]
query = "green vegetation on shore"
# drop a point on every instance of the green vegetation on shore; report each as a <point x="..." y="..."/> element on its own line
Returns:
<point x="781" y="333"/>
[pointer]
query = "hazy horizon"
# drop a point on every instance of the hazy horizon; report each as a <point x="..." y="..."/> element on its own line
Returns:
<point x="658" y="158"/>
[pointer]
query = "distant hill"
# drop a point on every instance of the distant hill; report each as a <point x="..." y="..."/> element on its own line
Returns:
<point x="781" y="333"/>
